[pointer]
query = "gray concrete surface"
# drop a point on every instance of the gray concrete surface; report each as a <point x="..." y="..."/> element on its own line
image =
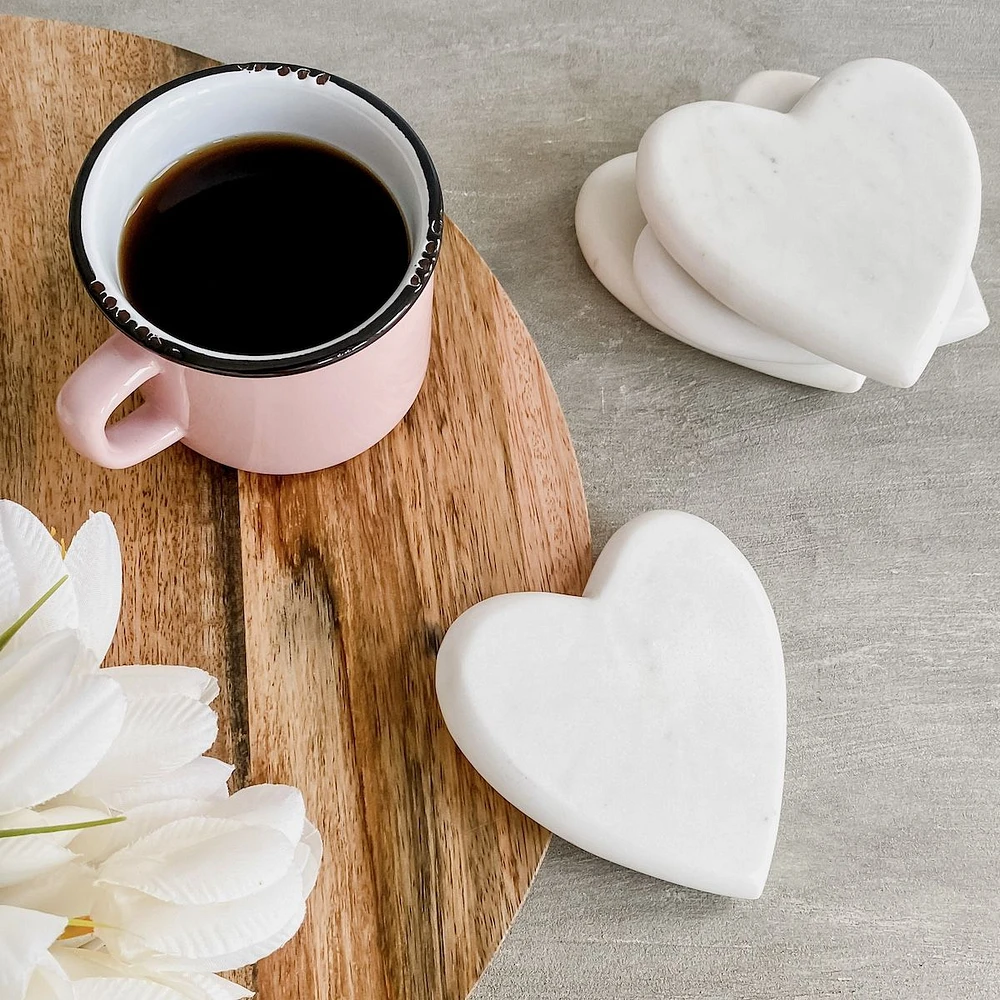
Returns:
<point x="873" y="519"/>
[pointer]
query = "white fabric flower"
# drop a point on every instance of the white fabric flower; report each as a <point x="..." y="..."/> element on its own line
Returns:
<point x="127" y="872"/>
<point x="58" y="716"/>
<point x="32" y="563"/>
<point x="211" y="891"/>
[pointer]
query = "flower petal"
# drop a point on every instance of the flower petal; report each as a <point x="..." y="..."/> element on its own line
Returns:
<point x="250" y="953"/>
<point x="10" y="584"/>
<point x="30" y="855"/>
<point x="30" y="563"/>
<point x="82" y="963"/>
<point x="49" y="983"/>
<point x="94" y="563"/>
<point x="97" y="844"/>
<point x="203" y="986"/>
<point x="308" y="856"/>
<point x="31" y="679"/>
<point x="191" y="682"/>
<point x="25" y="938"/>
<point x="94" y="963"/>
<point x="67" y="891"/>
<point x="160" y="733"/>
<point x="201" y="860"/>
<point x="123" y="989"/>
<point x="64" y="745"/>
<point x="202" y="778"/>
<point x="85" y="963"/>
<point x="278" y="807"/>
<point x="215" y="938"/>
<point x="23" y="858"/>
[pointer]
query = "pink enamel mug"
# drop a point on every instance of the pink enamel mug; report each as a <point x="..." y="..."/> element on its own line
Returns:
<point x="275" y="413"/>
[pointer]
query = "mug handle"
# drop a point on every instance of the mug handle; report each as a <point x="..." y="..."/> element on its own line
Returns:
<point x="102" y="383"/>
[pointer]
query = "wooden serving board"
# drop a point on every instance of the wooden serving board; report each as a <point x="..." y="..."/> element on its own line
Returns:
<point x="318" y="601"/>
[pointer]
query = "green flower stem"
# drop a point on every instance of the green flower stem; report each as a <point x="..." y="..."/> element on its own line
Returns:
<point x="9" y="634"/>
<point x="26" y="831"/>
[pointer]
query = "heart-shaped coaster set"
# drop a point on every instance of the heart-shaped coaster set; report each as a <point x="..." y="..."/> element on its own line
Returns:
<point x="644" y="721"/>
<point x="815" y="230"/>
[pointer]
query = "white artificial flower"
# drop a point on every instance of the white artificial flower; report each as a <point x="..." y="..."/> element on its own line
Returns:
<point x="66" y="730"/>
<point x="32" y="564"/>
<point x="58" y="716"/>
<point x="213" y="890"/>
<point x="127" y="872"/>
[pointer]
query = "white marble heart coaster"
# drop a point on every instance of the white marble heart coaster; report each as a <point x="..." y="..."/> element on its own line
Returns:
<point x="682" y="305"/>
<point x="970" y="316"/>
<point x="777" y="89"/>
<point x="643" y="722"/>
<point x="781" y="90"/>
<point x="846" y="225"/>
<point x="609" y="220"/>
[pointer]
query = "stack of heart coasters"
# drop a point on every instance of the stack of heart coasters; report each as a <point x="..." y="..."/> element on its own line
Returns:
<point x="644" y="721"/>
<point x="816" y="230"/>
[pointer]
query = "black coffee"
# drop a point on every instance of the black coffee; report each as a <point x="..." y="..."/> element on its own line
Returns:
<point x="263" y="244"/>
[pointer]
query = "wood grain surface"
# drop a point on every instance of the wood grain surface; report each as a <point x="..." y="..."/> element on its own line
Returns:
<point x="873" y="519"/>
<point x="318" y="601"/>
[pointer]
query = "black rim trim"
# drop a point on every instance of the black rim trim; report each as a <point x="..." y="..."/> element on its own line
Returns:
<point x="191" y="356"/>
